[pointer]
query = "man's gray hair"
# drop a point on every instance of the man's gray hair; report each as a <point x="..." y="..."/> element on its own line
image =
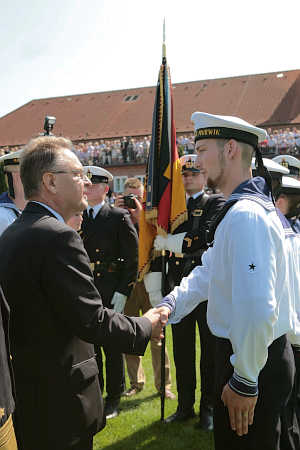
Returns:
<point x="40" y="156"/>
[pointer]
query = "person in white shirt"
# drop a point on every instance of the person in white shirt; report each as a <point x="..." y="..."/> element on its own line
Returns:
<point x="245" y="276"/>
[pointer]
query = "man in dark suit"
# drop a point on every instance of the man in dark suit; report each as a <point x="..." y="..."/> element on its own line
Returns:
<point x="56" y="310"/>
<point x="187" y="245"/>
<point x="111" y="242"/>
<point x="7" y="404"/>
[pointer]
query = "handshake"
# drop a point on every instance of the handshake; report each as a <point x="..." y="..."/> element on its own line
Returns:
<point x="158" y="318"/>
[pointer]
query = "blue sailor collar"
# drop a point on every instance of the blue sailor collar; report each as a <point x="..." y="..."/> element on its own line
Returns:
<point x="295" y="224"/>
<point x="7" y="202"/>
<point x="288" y="230"/>
<point x="255" y="189"/>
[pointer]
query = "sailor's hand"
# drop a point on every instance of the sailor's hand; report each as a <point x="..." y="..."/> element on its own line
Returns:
<point x="240" y="410"/>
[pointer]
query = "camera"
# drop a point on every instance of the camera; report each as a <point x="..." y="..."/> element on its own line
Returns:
<point x="129" y="201"/>
<point x="49" y="124"/>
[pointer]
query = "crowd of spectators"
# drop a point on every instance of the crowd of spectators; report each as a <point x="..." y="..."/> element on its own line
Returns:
<point x="282" y="141"/>
<point x="129" y="150"/>
<point x="118" y="151"/>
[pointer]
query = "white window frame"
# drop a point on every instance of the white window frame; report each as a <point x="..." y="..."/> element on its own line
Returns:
<point x="119" y="181"/>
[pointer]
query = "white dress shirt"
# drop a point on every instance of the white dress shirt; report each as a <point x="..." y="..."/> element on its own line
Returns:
<point x="95" y="208"/>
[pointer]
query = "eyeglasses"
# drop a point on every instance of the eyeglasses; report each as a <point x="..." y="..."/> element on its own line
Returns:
<point x="77" y="173"/>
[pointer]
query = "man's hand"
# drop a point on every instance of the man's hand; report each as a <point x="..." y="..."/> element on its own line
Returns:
<point x="119" y="201"/>
<point x="158" y="318"/>
<point x="240" y="410"/>
<point x="134" y="213"/>
<point x="164" y="314"/>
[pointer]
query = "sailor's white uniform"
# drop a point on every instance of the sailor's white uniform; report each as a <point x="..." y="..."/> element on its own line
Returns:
<point x="245" y="276"/>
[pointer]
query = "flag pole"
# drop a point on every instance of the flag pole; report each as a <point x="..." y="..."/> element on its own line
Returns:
<point x="163" y="288"/>
<point x="164" y="52"/>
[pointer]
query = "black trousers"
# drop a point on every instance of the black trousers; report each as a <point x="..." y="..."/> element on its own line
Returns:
<point x="114" y="370"/>
<point x="114" y="362"/>
<point x="290" y="433"/>
<point x="275" y="384"/>
<point x="84" y="444"/>
<point x="184" y="349"/>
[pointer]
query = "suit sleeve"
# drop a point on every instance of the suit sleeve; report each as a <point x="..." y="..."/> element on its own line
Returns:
<point x="128" y="242"/>
<point x="197" y="239"/>
<point x="69" y="288"/>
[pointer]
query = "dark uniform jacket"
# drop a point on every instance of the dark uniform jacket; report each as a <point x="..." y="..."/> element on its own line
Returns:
<point x="56" y="316"/>
<point x="6" y="384"/>
<point x="111" y="242"/>
<point x="195" y="241"/>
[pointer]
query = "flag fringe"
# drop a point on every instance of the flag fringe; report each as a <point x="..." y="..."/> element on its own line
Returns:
<point x="182" y="217"/>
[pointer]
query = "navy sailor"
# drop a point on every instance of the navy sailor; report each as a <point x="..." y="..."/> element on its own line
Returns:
<point x="245" y="276"/>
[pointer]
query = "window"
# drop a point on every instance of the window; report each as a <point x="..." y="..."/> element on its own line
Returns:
<point x="130" y="98"/>
<point x="141" y="178"/>
<point x="119" y="184"/>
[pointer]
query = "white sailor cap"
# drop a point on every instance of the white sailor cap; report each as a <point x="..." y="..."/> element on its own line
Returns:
<point x="97" y="174"/>
<point x="188" y="162"/>
<point x="11" y="159"/>
<point x="289" y="161"/>
<point x="226" y="127"/>
<point x="276" y="170"/>
<point x="290" y="185"/>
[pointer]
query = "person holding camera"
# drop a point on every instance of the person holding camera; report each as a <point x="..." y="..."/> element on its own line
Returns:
<point x="111" y="242"/>
<point x="139" y="302"/>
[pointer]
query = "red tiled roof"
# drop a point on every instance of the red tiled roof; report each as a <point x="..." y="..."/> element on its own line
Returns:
<point x="268" y="99"/>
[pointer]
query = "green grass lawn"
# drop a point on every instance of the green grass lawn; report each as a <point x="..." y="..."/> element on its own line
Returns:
<point x="138" y="426"/>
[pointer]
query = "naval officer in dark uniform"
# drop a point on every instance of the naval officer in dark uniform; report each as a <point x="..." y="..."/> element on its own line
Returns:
<point x="288" y="201"/>
<point x="187" y="245"/>
<point x="111" y="242"/>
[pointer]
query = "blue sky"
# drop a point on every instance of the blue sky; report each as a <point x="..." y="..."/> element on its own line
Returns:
<point x="63" y="47"/>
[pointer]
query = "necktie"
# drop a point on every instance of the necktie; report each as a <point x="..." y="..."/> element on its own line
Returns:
<point x="190" y="204"/>
<point x="91" y="212"/>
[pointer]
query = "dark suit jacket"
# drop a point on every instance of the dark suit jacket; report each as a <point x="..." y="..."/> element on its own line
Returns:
<point x="56" y="315"/>
<point x="111" y="236"/>
<point x="6" y="379"/>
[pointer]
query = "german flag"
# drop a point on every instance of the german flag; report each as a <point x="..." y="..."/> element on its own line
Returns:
<point x="164" y="207"/>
